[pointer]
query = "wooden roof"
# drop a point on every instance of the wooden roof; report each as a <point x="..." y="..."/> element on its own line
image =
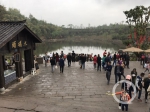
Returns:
<point x="9" y="29"/>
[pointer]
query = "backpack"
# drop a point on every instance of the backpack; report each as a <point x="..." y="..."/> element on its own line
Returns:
<point x="125" y="97"/>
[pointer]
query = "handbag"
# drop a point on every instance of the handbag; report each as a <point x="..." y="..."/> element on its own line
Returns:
<point x="133" y="75"/>
<point x="148" y="89"/>
<point x="56" y="67"/>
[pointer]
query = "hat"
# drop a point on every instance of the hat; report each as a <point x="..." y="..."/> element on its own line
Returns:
<point x="128" y="77"/>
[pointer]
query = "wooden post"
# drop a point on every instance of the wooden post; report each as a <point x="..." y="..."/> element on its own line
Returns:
<point x="2" y="80"/>
<point x="19" y="68"/>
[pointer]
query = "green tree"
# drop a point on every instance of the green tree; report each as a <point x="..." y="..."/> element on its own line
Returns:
<point x="138" y="19"/>
<point x="2" y="12"/>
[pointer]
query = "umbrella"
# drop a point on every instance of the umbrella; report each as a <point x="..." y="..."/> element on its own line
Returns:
<point x="148" y="50"/>
<point x="133" y="49"/>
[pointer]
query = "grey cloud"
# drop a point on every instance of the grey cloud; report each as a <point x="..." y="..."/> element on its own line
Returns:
<point x="76" y="12"/>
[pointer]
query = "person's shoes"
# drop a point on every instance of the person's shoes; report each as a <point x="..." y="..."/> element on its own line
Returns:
<point x="145" y="101"/>
<point x="119" y="107"/>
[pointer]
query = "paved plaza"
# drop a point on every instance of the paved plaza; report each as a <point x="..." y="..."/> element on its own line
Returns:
<point x="76" y="90"/>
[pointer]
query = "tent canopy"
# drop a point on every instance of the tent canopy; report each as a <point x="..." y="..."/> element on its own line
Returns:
<point x="133" y="49"/>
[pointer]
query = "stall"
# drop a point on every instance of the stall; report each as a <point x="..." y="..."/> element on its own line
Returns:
<point x="16" y="39"/>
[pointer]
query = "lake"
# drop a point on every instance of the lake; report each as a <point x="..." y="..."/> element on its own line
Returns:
<point x="86" y="48"/>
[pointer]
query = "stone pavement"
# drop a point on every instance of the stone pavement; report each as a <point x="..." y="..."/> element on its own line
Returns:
<point x="75" y="90"/>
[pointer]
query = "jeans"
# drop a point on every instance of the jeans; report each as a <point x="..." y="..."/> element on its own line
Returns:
<point x="146" y="93"/>
<point x="69" y="62"/>
<point x="73" y="59"/>
<point x="83" y="65"/>
<point x="99" y="66"/>
<point x="45" y="63"/>
<point x="140" y="92"/>
<point x="61" y="69"/>
<point x="103" y="63"/>
<point x="114" y="62"/>
<point x="108" y="74"/>
<point x="133" y="79"/>
<point x="52" y="68"/>
<point x="94" y="65"/>
<point x="117" y="75"/>
<point x="124" y="105"/>
<point x="127" y="64"/>
<point x="123" y="75"/>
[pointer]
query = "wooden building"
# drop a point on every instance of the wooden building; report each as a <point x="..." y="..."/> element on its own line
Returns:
<point x="16" y="39"/>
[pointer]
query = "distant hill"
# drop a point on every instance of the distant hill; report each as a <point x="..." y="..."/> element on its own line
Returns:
<point x="50" y="31"/>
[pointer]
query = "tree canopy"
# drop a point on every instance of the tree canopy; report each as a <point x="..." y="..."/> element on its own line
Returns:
<point x="138" y="20"/>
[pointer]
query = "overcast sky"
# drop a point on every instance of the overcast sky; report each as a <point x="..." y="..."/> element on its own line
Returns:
<point x="76" y="12"/>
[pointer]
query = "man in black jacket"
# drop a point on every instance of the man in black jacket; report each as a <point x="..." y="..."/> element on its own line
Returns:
<point x="114" y="58"/>
<point x="108" y="72"/>
<point x="53" y="63"/>
<point x="73" y="56"/>
<point x="99" y="63"/>
<point x="83" y="60"/>
<point x="69" y="59"/>
<point x="146" y="84"/>
<point x="117" y="71"/>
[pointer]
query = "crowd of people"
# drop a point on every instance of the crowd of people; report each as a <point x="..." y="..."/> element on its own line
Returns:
<point x="107" y="62"/>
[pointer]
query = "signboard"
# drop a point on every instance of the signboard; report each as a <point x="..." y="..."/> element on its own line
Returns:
<point x="18" y="44"/>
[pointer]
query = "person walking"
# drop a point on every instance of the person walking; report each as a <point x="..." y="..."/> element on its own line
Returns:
<point x="127" y="60"/>
<point x="103" y="62"/>
<point x="83" y="60"/>
<point x="117" y="72"/>
<point x="114" y="58"/>
<point x="80" y="57"/>
<point x="94" y="61"/>
<point x="61" y="64"/>
<point x="139" y="85"/>
<point x="69" y="59"/>
<point x="127" y="87"/>
<point x="122" y="70"/>
<point x="57" y="59"/>
<point x="125" y="98"/>
<point x="53" y="63"/>
<point x="146" y="84"/>
<point x="73" y="56"/>
<point x="134" y="75"/>
<point x="98" y="63"/>
<point x="108" y="72"/>
<point x="46" y="59"/>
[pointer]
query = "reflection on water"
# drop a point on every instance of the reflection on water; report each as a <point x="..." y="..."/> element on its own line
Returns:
<point x="86" y="48"/>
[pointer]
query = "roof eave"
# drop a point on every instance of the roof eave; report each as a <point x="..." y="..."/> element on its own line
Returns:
<point x="39" y="40"/>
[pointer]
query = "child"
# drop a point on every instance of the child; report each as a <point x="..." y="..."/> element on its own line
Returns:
<point x="125" y="97"/>
<point x="36" y="66"/>
<point x="127" y="87"/>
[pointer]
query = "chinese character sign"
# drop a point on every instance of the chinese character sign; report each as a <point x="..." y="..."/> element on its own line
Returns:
<point x="20" y="44"/>
<point x="14" y="44"/>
